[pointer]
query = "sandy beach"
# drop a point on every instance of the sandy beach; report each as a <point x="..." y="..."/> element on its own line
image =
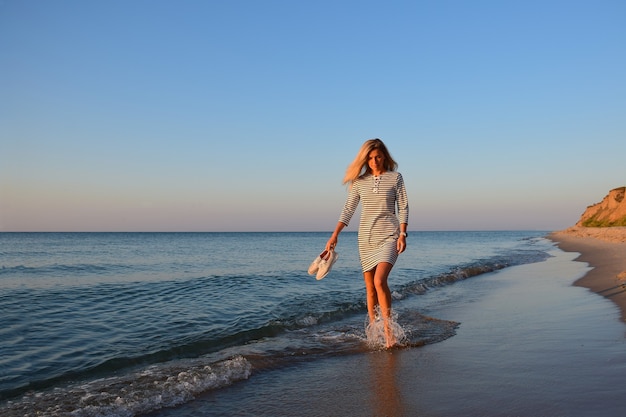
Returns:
<point x="604" y="249"/>
<point x="530" y="343"/>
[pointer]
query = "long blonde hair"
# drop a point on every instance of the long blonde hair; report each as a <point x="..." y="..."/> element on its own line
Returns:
<point x="359" y="166"/>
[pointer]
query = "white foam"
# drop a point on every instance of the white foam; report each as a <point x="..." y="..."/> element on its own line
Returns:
<point x="307" y="321"/>
<point x="375" y="331"/>
<point x="147" y="390"/>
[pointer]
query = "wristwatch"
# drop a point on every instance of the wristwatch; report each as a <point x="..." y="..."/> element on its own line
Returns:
<point x="405" y="234"/>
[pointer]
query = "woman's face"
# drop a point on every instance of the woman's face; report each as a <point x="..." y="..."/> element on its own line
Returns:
<point x="376" y="161"/>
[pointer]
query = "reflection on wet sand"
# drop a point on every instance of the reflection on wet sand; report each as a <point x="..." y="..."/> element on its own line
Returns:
<point x="386" y="398"/>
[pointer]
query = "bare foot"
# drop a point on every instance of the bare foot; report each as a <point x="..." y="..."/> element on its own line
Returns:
<point x="389" y="336"/>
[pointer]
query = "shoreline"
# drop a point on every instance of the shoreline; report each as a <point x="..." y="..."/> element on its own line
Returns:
<point x="521" y="329"/>
<point x="604" y="249"/>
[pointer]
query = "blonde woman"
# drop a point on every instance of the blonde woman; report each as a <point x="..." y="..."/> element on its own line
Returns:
<point x="375" y="183"/>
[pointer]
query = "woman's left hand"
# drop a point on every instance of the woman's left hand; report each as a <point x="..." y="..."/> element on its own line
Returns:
<point x="401" y="244"/>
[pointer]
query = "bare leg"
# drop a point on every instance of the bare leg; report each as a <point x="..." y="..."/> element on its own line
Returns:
<point x="383" y="293"/>
<point x="370" y="290"/>
<point x="378" y="293"/>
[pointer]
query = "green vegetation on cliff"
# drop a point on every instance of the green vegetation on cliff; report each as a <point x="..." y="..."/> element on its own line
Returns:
<point x="593" y="222"/>
<point x="609" y="212"/>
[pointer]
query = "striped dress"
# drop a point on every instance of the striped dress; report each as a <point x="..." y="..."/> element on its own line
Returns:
<point x="379" y="227"/>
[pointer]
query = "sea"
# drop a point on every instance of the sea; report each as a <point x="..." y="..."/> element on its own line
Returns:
<point x="128" y="324"/>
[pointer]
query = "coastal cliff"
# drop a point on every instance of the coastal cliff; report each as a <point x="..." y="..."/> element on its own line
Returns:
<point x="605" y="220"/>
<point x="609" y="212"/>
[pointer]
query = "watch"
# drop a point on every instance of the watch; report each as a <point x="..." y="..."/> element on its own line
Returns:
<point x="405" y="234"/>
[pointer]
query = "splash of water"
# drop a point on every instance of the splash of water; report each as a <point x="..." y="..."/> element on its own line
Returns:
<point x="375" y="331"/>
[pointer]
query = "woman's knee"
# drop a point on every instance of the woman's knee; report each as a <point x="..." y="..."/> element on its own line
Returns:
<point x="381" y="285"/>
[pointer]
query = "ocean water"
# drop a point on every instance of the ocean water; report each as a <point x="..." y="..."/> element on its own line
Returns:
<point x="125" y="324"/>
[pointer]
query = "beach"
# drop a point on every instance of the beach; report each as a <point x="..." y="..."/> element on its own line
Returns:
<point x="604" y="249"/>
<point x="532" y="341"/>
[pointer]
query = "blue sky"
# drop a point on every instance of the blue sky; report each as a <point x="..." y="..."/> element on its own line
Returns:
<point x="243" y="115"/>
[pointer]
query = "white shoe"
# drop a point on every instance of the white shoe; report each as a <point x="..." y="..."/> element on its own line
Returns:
<point x="315" y="265"/>
<point x="326" y="264"/>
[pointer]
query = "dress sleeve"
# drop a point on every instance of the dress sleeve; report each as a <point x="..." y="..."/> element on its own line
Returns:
<point x="402" y="201"/>
<point x="351" y="204"/>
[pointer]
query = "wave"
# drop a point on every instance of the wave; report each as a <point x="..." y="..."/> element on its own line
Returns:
<point x="62" y="269"/>
<point x="447" y="278"/>
<point x="175" y="382"/>
<point x="470" y="270"/>
<point x="151" y="388"/>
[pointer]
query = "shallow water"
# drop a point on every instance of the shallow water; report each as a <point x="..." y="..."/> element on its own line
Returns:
<point x="529" y="344"/>
<point x="128" y="323"/>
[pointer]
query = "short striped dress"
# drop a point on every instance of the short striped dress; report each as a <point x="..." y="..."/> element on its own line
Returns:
<point x="379" y="227"/>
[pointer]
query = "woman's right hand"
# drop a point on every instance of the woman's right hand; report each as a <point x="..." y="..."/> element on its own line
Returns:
<point x="332" y="242"/>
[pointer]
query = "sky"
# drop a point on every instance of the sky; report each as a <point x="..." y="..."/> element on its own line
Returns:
<point x="152" y="115"/>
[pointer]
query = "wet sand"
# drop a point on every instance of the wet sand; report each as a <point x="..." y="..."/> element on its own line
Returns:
<point x="604" y="249"/>
<point x="530" y="343"/>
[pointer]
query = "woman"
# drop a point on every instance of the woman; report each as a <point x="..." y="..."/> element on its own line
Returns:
<point x="375" y="183"/>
